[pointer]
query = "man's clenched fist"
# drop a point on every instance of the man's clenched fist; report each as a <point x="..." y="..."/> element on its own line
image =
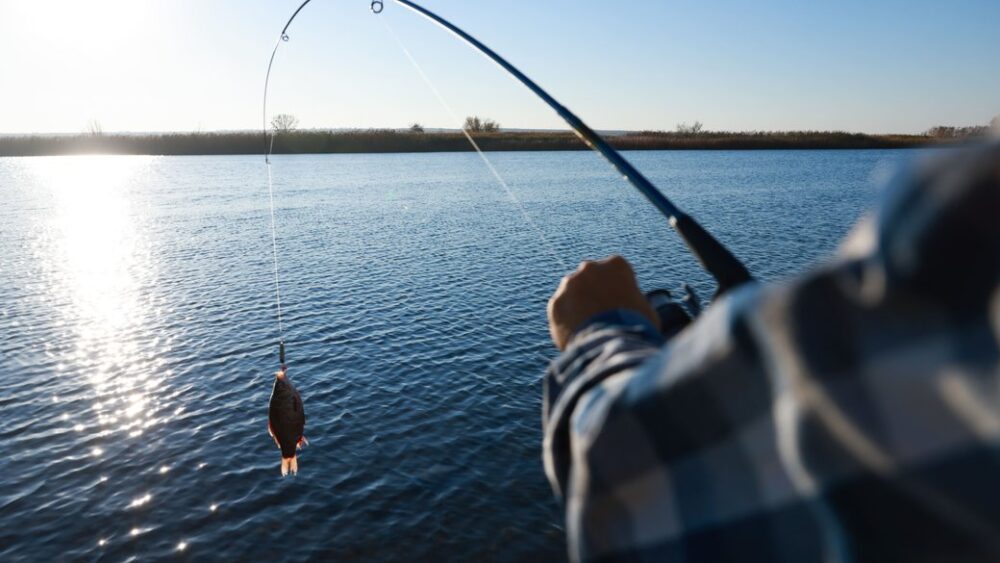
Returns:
<point x="594" y="288"/>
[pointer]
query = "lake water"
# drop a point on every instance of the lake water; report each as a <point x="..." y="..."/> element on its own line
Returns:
<point x="137" y="338"/>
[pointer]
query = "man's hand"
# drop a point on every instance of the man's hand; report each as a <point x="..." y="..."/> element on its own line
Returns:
<point x="594" y="288"/>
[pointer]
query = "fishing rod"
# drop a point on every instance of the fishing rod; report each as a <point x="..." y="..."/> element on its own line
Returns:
<point x="727" y="270"/>
<point x="715" y="258"/>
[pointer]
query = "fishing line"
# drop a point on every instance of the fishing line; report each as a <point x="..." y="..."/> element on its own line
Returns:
<point x="549" y="247"/>
<point x="274" y="252"/>
<point x="270" y="134"/>
<point x="269" y="144"/>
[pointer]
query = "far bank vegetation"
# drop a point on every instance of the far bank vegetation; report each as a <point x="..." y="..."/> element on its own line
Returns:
<point x="288" y="139"/>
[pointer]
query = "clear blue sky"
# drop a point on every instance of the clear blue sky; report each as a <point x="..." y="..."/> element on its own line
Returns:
<point x="139" y="65"/>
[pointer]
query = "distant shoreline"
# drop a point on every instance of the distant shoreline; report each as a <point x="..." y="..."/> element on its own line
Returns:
<point x="395" y="141"/>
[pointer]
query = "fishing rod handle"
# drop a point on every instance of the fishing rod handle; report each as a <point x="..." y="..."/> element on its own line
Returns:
<point x="715" y="258"/>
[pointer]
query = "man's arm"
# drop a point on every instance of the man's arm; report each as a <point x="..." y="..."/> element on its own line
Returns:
<point x="654" y="448"/>
<point x="610" y="328"/>
<point x="612" y="344"/>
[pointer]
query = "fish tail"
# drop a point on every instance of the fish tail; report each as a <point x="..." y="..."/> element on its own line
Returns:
<point x="289" y="464"/>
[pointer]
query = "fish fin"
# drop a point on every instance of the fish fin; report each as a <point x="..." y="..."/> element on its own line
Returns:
<point x="273" y="437"/>
<point x="295" y="465"/>
<point x="285" y="463"/>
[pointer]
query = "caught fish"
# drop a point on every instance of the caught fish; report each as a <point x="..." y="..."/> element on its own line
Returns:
<point x="286" y="421"/>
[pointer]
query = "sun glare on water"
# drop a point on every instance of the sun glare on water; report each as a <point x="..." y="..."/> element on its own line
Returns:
<point x="92" y="222"/>
<point x="103" y="279"/>
<point x="102" y="274"/>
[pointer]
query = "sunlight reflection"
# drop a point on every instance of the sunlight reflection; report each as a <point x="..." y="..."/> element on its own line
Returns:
<point x="140" y="501"/>
<point x="104" y="268"/>
<point x="93" y="216"/>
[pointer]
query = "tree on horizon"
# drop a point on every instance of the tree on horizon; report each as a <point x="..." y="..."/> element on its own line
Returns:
<point x="475" y="124"/>
<point x="284" y="122"/>
<point x="692" y="129"/>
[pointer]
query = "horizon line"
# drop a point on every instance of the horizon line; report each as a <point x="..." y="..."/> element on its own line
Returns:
<point x="431" y="130"/>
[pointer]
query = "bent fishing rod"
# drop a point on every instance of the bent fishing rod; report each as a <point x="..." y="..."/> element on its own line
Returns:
<point x="715" y="258"/>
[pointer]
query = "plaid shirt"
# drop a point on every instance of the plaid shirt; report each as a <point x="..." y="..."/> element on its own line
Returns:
<point x="850" y="415"/>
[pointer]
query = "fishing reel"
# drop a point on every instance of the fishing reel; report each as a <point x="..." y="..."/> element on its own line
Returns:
<point x="675" y="314"/>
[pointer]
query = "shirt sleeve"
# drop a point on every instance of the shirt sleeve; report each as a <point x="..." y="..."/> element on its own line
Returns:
<point x="646" y="442"/>
<point x="611" y="343"/>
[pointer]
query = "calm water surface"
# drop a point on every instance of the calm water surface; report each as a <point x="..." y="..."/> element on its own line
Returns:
<point x="137" y="331"/>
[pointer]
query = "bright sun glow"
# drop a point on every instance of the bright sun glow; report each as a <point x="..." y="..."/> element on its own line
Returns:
<point x="80" y="58"/>
<point x="64" y="22"/>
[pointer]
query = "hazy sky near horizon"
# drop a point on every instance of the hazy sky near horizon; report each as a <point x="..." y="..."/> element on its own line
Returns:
<point x="182" y="65"/>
